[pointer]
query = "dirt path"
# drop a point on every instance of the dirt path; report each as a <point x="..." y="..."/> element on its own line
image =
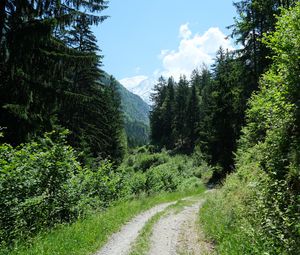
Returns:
<point x="120" y="242"/>
<point x="176" y="233"/>
<point x="192" y="240"/>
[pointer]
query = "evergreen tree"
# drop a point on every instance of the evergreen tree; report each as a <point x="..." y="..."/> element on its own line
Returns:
<point x="223" y="145"/>
<point x="168" y="115"/>
<point x="83" y="110"/>
<point x="193" y="113"/>
<point x="255" y="18"/>
<point x="115" y="123"/>
<point x="222" y="112"/>
<point x="50" y="75"/>
<point x="162" y="115"/>
<point x="34" y="64"/>
<point x="207" y="132"/>
<point x="158" y="97"/>
<point x="180" y="111"/>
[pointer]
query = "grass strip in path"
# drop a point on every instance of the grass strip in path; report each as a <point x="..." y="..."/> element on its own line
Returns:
<point x="142" y="244"/>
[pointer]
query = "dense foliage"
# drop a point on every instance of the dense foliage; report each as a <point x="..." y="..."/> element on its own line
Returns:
<point x="50" y="76"/>
<point x="258" y="209"/>
<point x="206" y="111"/>
<point x="255" y="17"/>
<point x="243" y="114"/>
<point x="209" y="110"/>
<point x="42" y="183"/>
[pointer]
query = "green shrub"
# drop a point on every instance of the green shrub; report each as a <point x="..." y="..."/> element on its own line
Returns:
<point x="153" y="173"/>
<point x="162" y="178"/>
<point x="252" y="213"/>
<point x="34" y="181"/>
<point x="138" y="183"/>
<point x="142" y="149"/>
<point x="189" y="184"/>
<point x="98" y="187"/>
<point x="43" y="184"/>
<point x="145" y="161"/>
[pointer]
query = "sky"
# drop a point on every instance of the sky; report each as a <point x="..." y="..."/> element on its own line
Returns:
<point x="143" y="39"/>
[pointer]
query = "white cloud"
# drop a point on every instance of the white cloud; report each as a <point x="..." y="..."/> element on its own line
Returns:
<point x="184" y="31"/>
<point x="193" y="51"/>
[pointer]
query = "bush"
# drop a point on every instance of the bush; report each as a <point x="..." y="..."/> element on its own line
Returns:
<point x="137" y="183"/>
<point x="34" y="181"/>
<point x="43" y="184"/>
<point x="253" y="213"/>
<point x="153" y="173"/>
<point x="98" y="187"/>
<point x="145" y="161"/>
<point x="162" y="178"/>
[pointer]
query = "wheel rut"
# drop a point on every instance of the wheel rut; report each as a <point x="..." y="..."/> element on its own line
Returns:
<point x="121" y="242"/>
<point x="176" y="232"/>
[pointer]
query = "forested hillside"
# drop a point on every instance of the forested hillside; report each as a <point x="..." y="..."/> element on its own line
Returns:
<point x="135" y="113"/>
<point x="67" y="128"/>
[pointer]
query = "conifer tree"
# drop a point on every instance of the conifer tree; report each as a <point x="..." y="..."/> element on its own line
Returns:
<point x="255" y="17"/>
<point x="158" y="97"/>
<point x="82" y="110"/>
<point x="180" y="111"/>
<point x="193" y="113"/>
<point x="34" y="64"/>
<point x="222" y="112"/>
<point x="168" y="115"/>
<point x="115" y="125"/>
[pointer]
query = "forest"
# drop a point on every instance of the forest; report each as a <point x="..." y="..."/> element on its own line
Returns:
<point x="70" y="148"/>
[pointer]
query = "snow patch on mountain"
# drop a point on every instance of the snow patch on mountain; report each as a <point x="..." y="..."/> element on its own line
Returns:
<point x="140" y="85"/>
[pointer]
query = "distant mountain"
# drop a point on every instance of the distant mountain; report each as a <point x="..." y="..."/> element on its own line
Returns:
<point x="142" y="86"/>
<point x="136" y="115"/>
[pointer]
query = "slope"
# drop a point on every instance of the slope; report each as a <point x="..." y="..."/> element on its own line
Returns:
<point x="136" y="115"/>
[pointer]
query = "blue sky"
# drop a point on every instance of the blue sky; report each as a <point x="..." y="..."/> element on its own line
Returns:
<point x="146" y="38"/>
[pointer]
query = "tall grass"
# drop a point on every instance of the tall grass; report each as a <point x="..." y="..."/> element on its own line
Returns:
<point x="244" y="218"/>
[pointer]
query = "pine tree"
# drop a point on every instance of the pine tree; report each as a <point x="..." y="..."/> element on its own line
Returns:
<point x="168" y="115"/>
<point x="158" y="97"/>
<point x="180" y="110"/>
<point x="193" y="113"/>
<point x="222" y="112"/>
<point x="34" y="64"/>
<point x="82" y="110"/>
<point x="255" y="18"/>
<point x="115" y="122"/>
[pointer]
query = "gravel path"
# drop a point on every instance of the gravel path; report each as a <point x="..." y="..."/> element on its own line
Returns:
<point x="176" y="233"/>
<point x="120" y="242"/>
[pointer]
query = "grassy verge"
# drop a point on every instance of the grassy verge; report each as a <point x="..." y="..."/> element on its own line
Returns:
<point x="88" y="235"/>
<point x="224" y="220"/>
